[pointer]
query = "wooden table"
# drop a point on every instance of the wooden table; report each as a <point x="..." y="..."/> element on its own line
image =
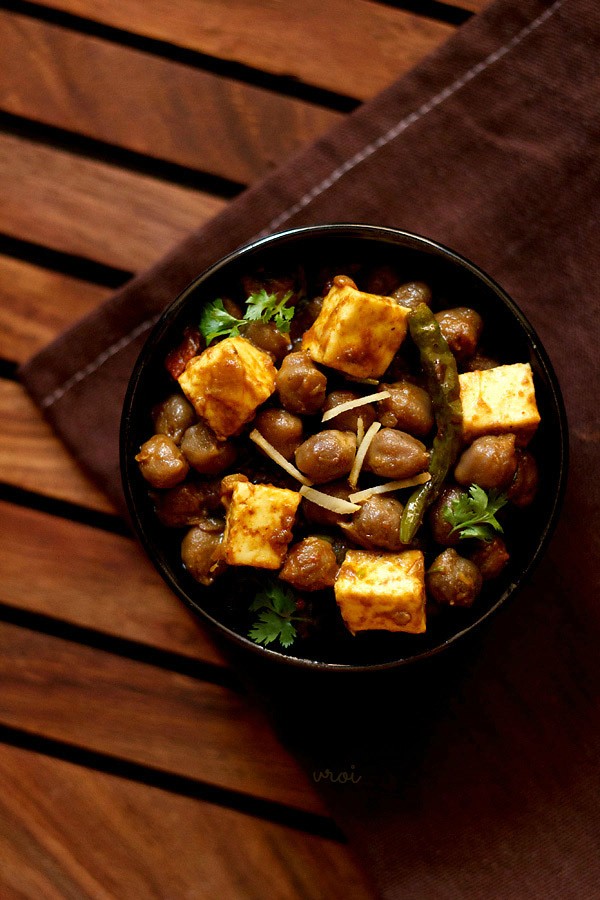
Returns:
<point x="131" y="763"/>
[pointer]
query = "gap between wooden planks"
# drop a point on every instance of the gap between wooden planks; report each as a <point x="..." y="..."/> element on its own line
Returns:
<point x="148" y="104"/>
<point x="70" y="831"/>
<point x="137" y="712"/>
<point x="37" y="304"/>
<point x="350" y="47"/>
<point x="96" y="210"/>
<point x="105" y="583"/>
<point x="33" y="458"/>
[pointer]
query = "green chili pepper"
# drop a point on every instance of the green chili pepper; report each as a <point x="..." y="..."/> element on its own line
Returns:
<point x="439" y="367"/>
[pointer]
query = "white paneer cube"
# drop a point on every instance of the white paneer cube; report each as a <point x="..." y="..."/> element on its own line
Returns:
<point x="499" y="401"/>
<point x="356" y="333"/>
<point x="258" y="527"/>
<point x="227" y="382"/>
<point x="383" y="591"/>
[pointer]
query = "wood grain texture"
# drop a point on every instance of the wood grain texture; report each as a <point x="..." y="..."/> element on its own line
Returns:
<point x="138" y="712"/>
<point x="67" y="833"/>
<point x="108" y="585"/>
<point x="37" y="304"/>
<point x="93" y="209"/>
<point x="472" y="5"/>
<point x="32" y="456"/>
<point x="149" y="104"/>
<point x="352" y="47"/>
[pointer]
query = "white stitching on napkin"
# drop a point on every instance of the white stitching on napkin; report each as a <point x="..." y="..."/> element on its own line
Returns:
<point x="324" y="185"/>
<point x="99" y="361"/>
<point x="409" y="120"/>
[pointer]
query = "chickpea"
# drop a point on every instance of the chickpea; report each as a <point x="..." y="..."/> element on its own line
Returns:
<point x="396" y="454"/>
<point x="462" y="329"/>
<point x="412" y="294"/>
<point x="479" y="362"/>
<point x="453" y="580"/>
<point x="161" y="462"/>
<point x="300" y="385"/>
<point x="439" y="526"/>
<point x="490" y="461"/>
<point x="525" y="485"/>
<point x="348" y="421"/>
<point x="173" y="416"/>
<point x="377" y="524"/>
<point x="326" y="455"/>
<point x="281" y="428"/>
<point x="318" y="515"/>
<point x="310" y="565"/>
<point x="269" y="338"/>
<point x="200" y="552"/>
<point x="381" y="280"/>
<point x="204" y="452"/>
<point x="490" y="557"/>
<point x="228" y="484"/>
<point x="408" y="408"/>
<point x="188" y="503"/>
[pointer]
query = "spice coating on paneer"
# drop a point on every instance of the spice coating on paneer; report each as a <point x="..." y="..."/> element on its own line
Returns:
<point x="355" y="332"/>
<point x="498" y="401"/>
<point x="382" y="591"/>
<point x="227" y="383"/>
<point x="258" y="527"/>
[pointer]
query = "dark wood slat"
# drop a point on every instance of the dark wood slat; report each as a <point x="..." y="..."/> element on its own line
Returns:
<point x="69" y="832"/>
<point x="138" y="712"/>
<point x="108" y="584"/>
<point x="148" y="104"/>
<point x="32" y="457"/>
<point x="36" y="304"/>
<point x="93" y="209"/>
<point x="351" y="47"/>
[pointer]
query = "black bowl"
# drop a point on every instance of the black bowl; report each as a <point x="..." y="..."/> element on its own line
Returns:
<point x="458" y="282"/>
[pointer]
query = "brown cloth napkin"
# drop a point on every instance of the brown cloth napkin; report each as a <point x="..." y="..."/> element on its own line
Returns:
<point x="477" y="776"/>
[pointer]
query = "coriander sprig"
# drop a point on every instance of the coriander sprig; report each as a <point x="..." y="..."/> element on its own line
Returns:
<point x="276" y="606"/>
<point x="473" y="515"/>
<point x="216" y="322"/>
<point x="265" y="307"/>
<point x="261" y="306"/>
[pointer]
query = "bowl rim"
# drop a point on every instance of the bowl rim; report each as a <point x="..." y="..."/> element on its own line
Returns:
<point x="393" y="236"/>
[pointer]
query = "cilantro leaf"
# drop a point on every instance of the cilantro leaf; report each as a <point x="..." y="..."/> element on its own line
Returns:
<point x="215" y="322"/>
<point x="271" y="627"/>
<point x="473" y="515"/>
<point x="276" y="597"/>
<point x="276" y="606"/>
<point x="261" y="306"/>
<point x="265" y="307"/>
